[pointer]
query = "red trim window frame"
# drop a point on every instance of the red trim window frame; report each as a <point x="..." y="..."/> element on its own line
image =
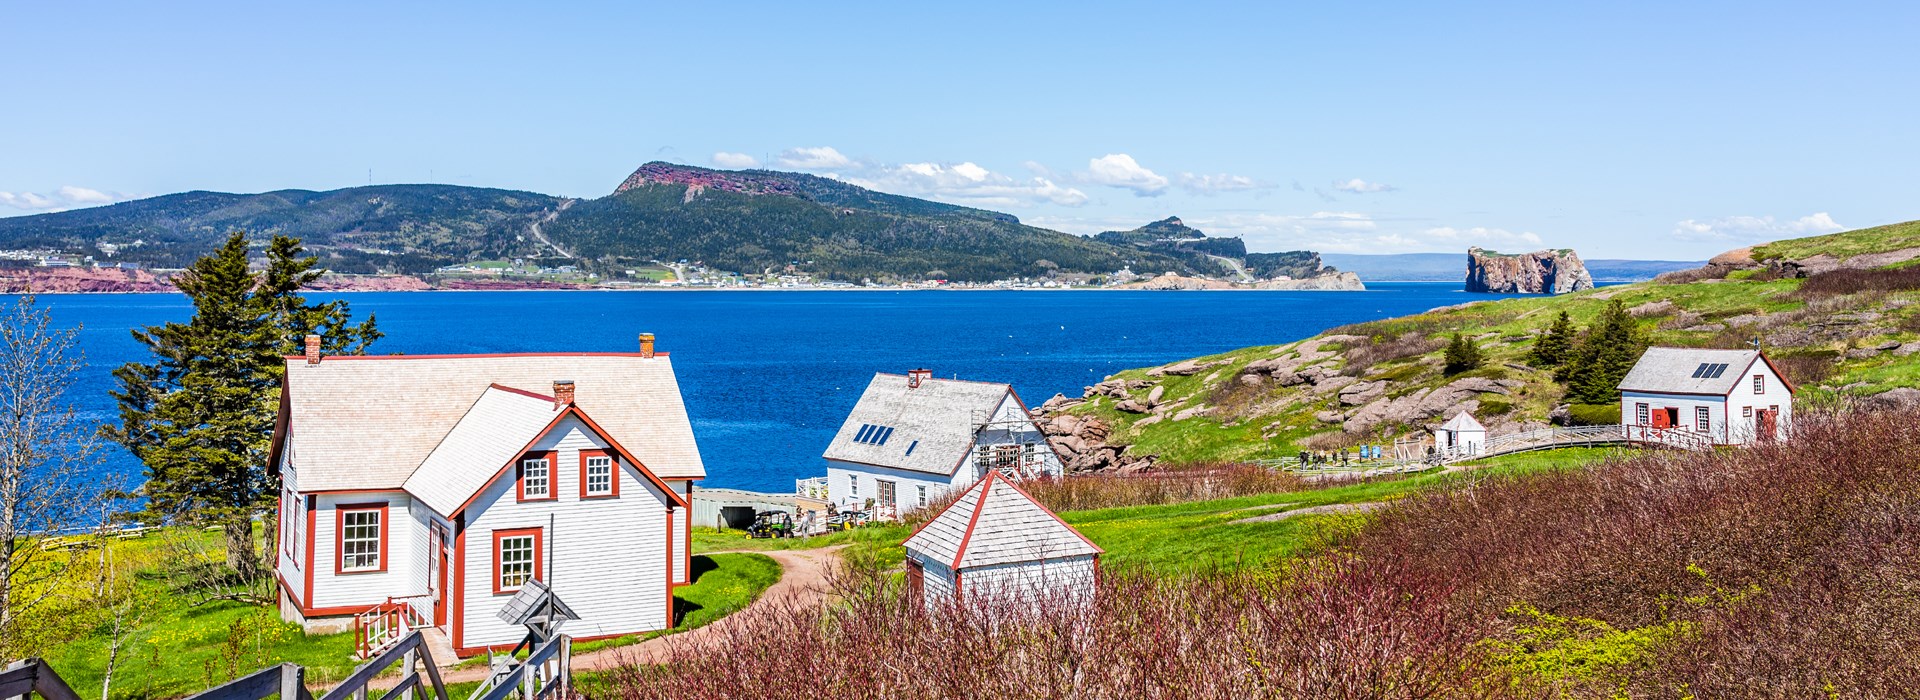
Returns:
<point x="539" y="555"/>
<point x="613" y="474"/>
<point x="552" y="458"/>
<point x="340" y="513"/>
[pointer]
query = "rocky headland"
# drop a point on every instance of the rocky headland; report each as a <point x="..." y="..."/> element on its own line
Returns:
<point x="1539" y="272"/>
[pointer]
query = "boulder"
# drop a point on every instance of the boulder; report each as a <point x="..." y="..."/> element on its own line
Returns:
<point x="1131" y="406"/>
<point x="1068" y="446"/>
<point x="1652" y="308"/>
<point x="1153" y="397"/>
<point x="1891" y="399"/>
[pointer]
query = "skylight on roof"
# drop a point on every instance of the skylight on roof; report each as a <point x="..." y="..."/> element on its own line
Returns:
<point x="1710" y="370"/>
<point x="870" y="434"/>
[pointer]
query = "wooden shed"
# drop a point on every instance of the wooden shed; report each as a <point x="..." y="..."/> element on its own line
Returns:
<point x="995" y="540"/>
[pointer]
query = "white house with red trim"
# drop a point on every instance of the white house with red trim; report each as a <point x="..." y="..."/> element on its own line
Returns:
<point x="442" y="483"/>
<point x="912" y="438"/>
<point x="1728" y="397"/>
<point x="995" y="540"/>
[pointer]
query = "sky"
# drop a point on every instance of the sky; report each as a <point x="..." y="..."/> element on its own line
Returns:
<point x="1623" y="130"/>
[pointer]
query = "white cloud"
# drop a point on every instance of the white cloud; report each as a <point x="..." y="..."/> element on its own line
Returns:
<point x="813" y="158"/>
<point x="1755" y="228"/>
<point x="67" y="197"/>
<point x="1359" y="186"/>
<point x="1120" y="170"/>
<point x="736" y="161"/>
<point x="1215" y="184"/>
<point x="1480" y="235"/>
<point x="964" y="183"/>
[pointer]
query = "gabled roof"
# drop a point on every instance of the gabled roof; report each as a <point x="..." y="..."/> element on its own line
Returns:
<point x="1694" y="371"/>
<point x="1463" y="422"/>
<point x="369" y="422"/>
<point x="929" y="428"/>
<point x="995" y="522"/>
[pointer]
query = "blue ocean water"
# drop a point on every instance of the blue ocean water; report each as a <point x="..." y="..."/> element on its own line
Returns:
<point x="768" y="376"/>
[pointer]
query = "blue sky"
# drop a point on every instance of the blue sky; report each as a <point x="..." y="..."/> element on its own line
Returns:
<point x="1624" y="130"/>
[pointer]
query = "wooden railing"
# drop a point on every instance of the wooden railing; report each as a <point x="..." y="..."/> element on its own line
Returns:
<point x="542" y="673"/>
<point x="288" y="681"/>
<point x="814" y="488"/>
<point x="1542" y="439"/>
<point x="383" y="626"/>
<point x="34" y="676"/>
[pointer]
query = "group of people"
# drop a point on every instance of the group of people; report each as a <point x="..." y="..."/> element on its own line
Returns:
<point x="1343" y="456"/>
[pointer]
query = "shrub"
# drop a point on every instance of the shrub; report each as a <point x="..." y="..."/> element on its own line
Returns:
<point x="1594" y="414"/>
<point x="1551" y="350"/>
<point x="1194" y="483"/>
<point x="1606" y="351"/>
<point x="1847" y="281"/>
<point x="1463" y="355"/>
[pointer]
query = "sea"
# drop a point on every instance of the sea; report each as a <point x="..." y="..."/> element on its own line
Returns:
<point x="768" y="376"/>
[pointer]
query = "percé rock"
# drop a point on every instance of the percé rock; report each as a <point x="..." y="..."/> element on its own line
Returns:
<point x="1539" y="272"/>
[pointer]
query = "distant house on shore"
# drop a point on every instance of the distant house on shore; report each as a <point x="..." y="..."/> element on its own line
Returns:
<point x="444" y="483"/>
<point x="1730" y="397"/>
<point x="995" y="540"/>
<point x="913" y="438"/>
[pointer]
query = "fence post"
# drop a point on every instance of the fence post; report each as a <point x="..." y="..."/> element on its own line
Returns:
<point x="293" y="681"/>
<point x="409" y="665"/>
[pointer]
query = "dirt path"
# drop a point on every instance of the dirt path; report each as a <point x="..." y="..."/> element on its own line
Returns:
<point x="541" y="236"/>
<point x="803" y="579"/>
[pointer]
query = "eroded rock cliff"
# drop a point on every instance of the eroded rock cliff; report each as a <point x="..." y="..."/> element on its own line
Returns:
<point x="1539" y="272"/>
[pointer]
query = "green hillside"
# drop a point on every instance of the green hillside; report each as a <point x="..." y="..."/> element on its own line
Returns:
<point x="1836" y="333"/>
<point x="383" y="228"/>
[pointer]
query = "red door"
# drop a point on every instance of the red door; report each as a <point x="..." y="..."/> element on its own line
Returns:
<point x="1662" y="418"/>
<point x="1765" y="424"/>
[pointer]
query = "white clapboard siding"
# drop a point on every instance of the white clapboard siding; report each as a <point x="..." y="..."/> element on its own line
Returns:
<point x="936" y="582"/>
<point x="1072" y="578"/>
<point x="607" y="557"/>
<point x="841" y="491"/>
<point x="364" y="590"/>
<point x="682" y="532"/>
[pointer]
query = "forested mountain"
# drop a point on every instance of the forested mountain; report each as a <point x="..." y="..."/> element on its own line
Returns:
<point x="743" y="221"/>
<point x="758" y="221"/>
<point x="392" y="228"/>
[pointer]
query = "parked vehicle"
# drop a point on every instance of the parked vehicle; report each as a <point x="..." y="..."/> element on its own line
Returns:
<point x="771" y="523"/>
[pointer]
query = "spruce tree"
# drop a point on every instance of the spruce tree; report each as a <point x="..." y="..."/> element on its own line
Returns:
<point x="1550" y="351"/>
<point x="1462" y="355"/>
<point x="200" y="415"/>
<point x="1604" y="355"/>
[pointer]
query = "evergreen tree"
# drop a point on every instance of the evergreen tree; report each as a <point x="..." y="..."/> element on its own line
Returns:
<point x="200" y="416"/>
<point x="1550" y="351"/>
<point x="1604" y="355"/>
<point x="1462" y="355"/>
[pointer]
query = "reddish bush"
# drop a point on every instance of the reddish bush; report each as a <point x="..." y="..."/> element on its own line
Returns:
<point x="1849" y="281"/>
<point x="1196" y="483"/>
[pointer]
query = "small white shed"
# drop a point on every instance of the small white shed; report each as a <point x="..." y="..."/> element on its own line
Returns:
<point x="1462" y="434"/>
<point x="995" y="540"/>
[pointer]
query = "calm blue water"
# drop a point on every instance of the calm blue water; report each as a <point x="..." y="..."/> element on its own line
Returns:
<point x="768" y="376"/>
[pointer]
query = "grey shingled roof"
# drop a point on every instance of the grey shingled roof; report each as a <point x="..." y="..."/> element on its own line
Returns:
<point x="369" y="423"/>
<point x="1670" y="371"/>
<point x="1010" y="527"/>
<point x="937" y="420"/>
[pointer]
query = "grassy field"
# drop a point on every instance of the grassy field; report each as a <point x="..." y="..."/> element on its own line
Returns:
<point x="176" y="641"/>
<point x="1201" y="536"/>
<point x="1831" y="344"/>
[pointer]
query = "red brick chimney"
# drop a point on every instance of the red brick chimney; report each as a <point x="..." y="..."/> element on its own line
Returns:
<point x="313" y="349"/>
<point x="915" y="377"/>
<point x="646" y="345"/>
<point x="562" y="393"/>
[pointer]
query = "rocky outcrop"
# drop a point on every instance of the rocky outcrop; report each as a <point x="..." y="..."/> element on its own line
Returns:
<point x="1082" y="442"/>
<point x="73" y="279"/>
<point x="1329" y="282"/>
<point x="1539" y="272"/>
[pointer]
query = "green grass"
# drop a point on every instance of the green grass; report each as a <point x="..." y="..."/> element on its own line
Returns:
<point x="182" y="644"/>
<point x="877" y="542"/>
<point x="1201" y="536"/>
<point x="1847" y="244"/>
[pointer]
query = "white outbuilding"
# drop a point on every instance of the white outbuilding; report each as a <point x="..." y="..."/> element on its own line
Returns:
<point x="995" y="540"/>
<point x="1727" y="397"/>
<point x="1462" y="434"/>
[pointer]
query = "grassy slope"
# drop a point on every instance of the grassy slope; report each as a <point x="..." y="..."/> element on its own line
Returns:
<point x="1269" y="422"/>
<point x="182" y="645"/>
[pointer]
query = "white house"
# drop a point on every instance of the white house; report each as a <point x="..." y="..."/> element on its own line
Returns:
<point x="1728" y="397"/>
<point x="1461" y="434"/>
<point x="445" y="482"/>
<point x="912" y="438"/>
<point x="995" y="540"/>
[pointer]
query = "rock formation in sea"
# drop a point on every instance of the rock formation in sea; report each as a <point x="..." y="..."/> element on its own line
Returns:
<point x="1539" y="272"/>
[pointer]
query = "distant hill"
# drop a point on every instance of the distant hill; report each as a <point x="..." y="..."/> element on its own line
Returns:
<point x="399" y="228"/>
<point x="1452" y="267"/>
<point x="1175" y="238"/>
<point x="743" y="221"/>
<point x="756" y="221"/>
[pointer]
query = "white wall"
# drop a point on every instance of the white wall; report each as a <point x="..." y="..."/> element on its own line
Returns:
<point x="682" y="531"/>
<point x="365" y="590"/>
<point x="840" y="476"/>
<point x="1072" y="578"/>
<point x="936" y="581"/>
<point x="607" y="557"/>
<point x="1729" y="419"/>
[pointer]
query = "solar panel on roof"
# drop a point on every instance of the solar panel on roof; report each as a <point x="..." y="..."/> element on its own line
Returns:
<point x="884" y="434"/>
<point x="1718" y="369"/>
<point x="862" y="435"/>
<point x="1701" y="371"/>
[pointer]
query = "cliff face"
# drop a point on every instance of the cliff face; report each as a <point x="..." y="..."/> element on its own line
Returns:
<point x="1538" y="272"/>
